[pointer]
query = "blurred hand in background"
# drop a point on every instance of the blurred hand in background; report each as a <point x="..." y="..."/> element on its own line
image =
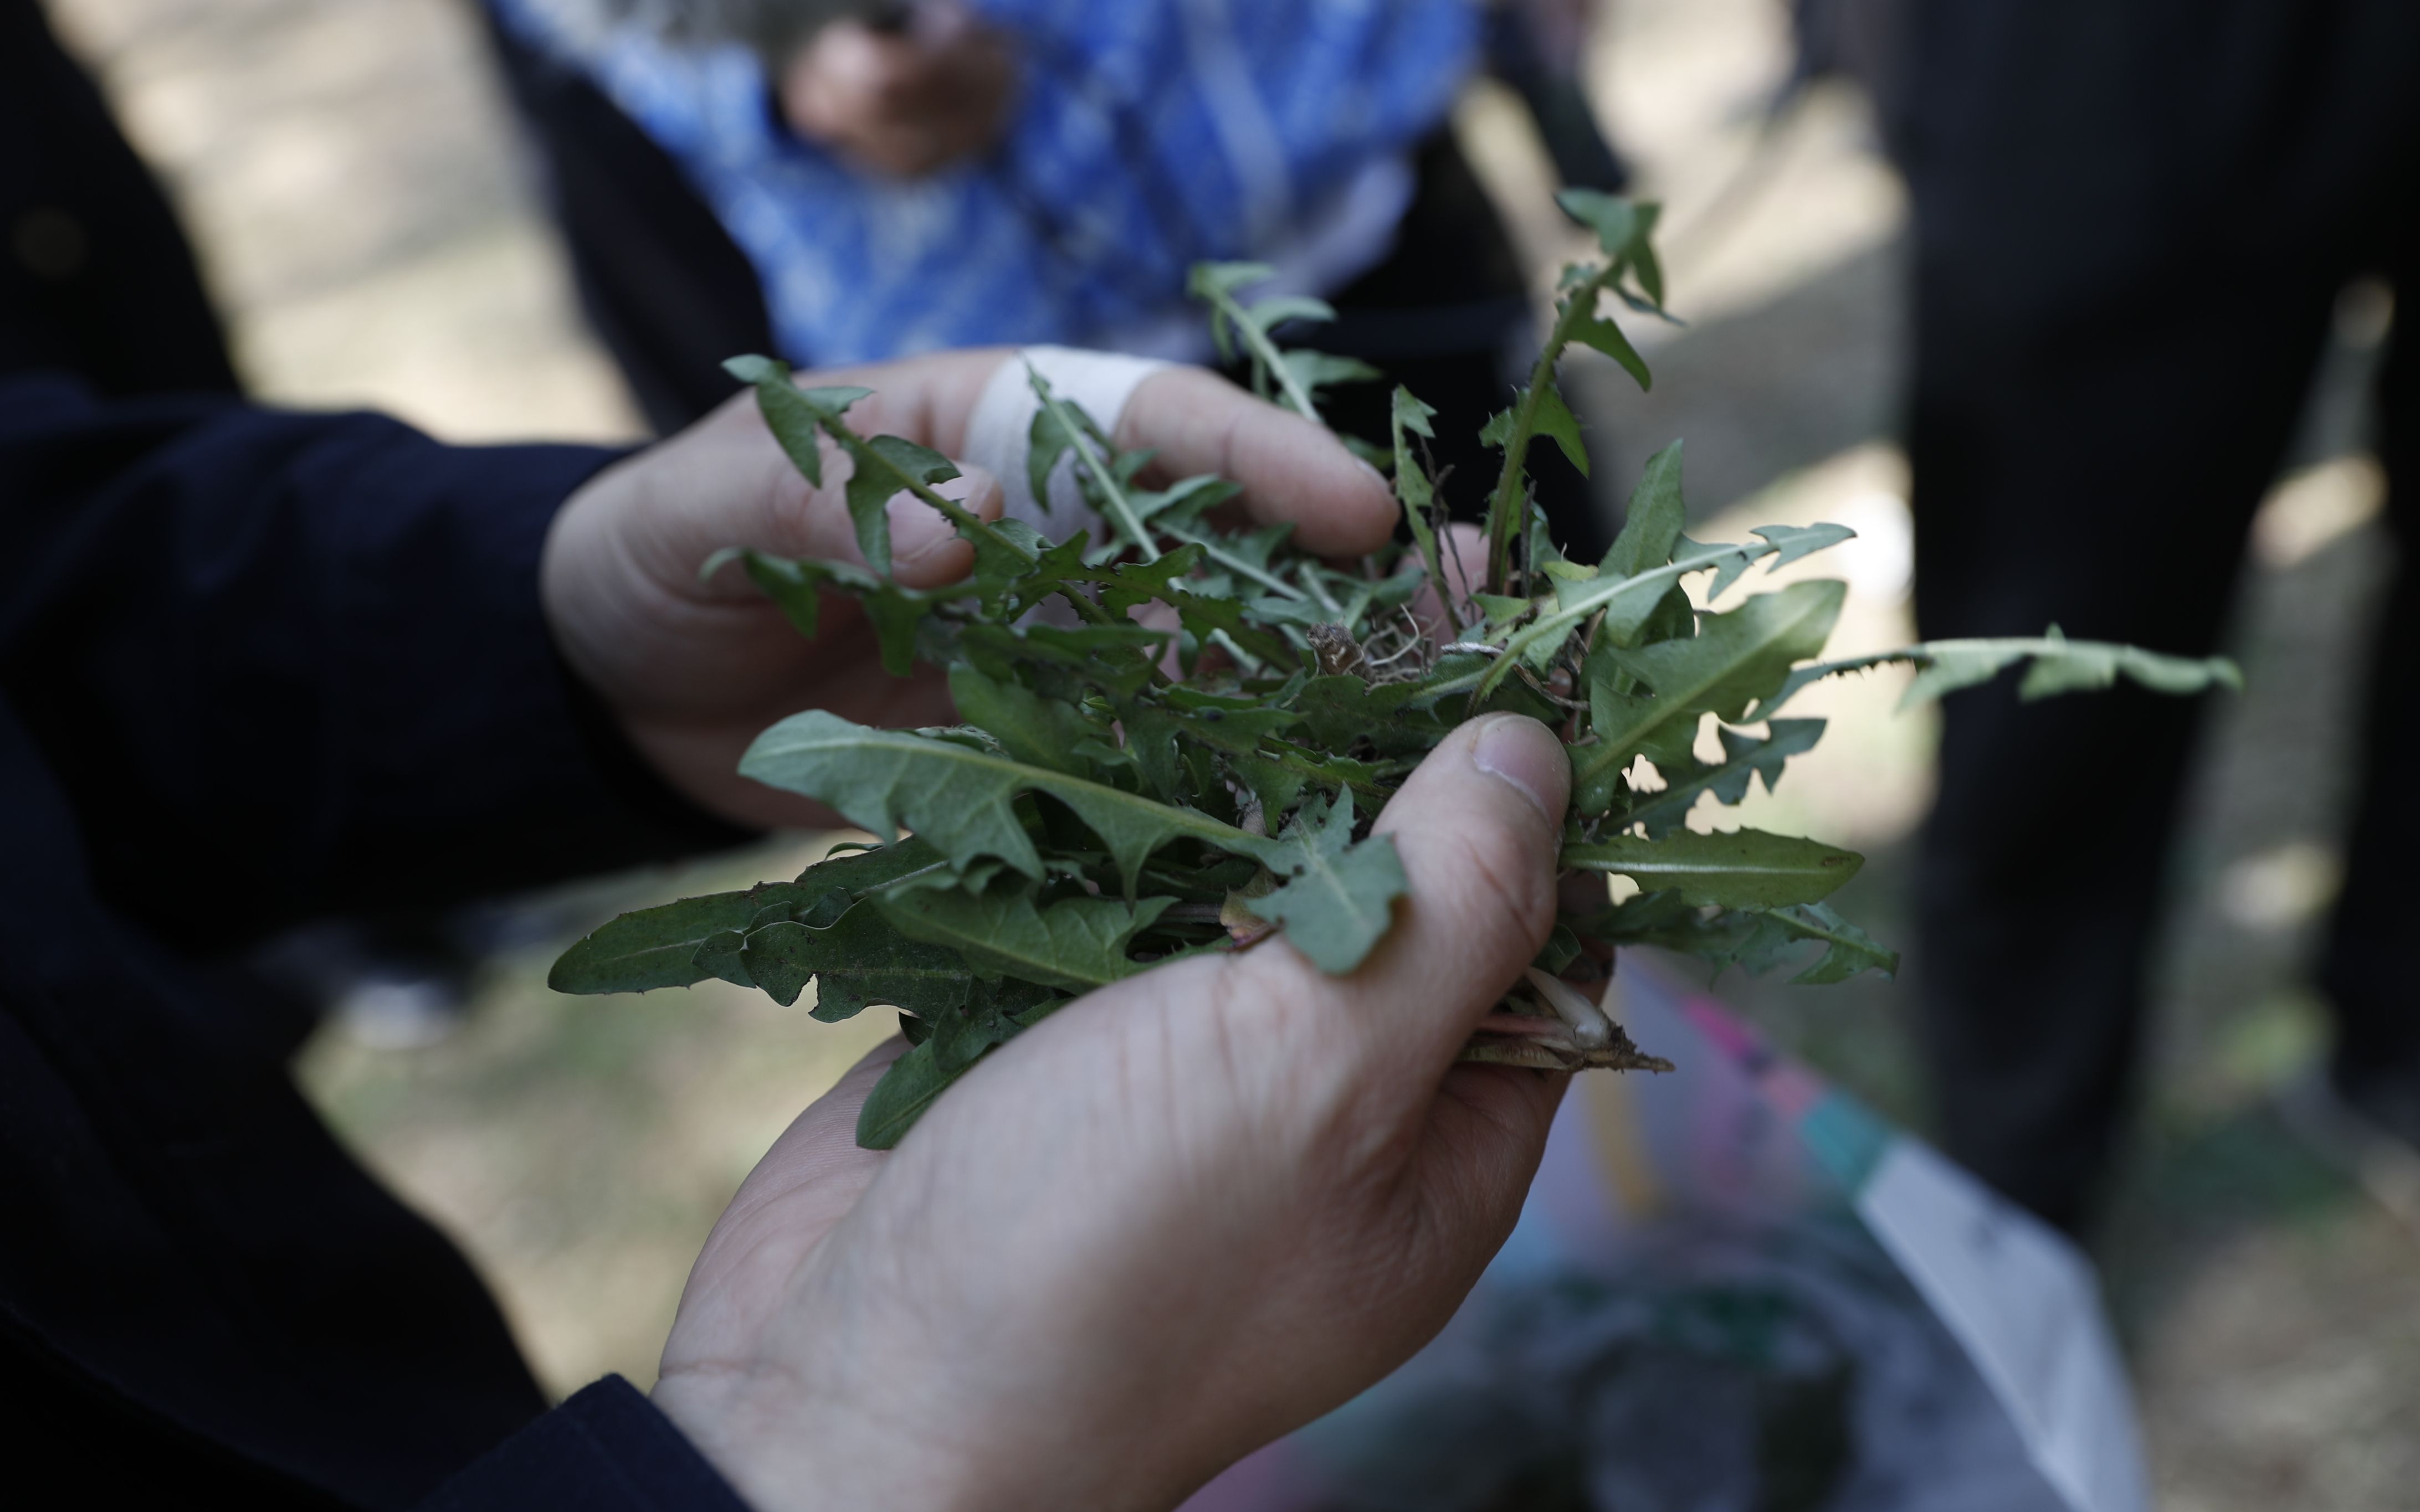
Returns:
<point x="902" y="98"/>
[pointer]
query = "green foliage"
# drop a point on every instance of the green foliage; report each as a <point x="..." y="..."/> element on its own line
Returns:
<point x="1340" y="896"/>
<point x="1175" y="738"/>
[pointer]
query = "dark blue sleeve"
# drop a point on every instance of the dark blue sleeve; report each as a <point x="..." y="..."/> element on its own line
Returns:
<point x="289" y="664"/>
<point x="605" y="1450"/>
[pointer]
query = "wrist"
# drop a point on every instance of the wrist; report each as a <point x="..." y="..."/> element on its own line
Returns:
<point x="784" y="1447"/>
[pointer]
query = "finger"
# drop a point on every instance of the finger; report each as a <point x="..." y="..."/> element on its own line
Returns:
<point x="1486" y="1131"/>
<point x="1464" y="554"/>
<point x="926" y="549"/>
<point x="736" y="487"/>
<point x="1290" y="469"/>
<point x="1476" y="827"/>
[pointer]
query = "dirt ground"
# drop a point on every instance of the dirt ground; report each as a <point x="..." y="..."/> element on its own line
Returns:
<point x="369" y="222"/>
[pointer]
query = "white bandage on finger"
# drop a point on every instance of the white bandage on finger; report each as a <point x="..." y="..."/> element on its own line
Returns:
<point x="998" y="432"/>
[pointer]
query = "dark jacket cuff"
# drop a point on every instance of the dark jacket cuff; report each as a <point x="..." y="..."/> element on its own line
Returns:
<point x="605" y="1450"/>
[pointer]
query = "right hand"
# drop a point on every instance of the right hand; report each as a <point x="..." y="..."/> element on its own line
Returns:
<point x="693" y="670"/>
<point x="1184" y="1216"/>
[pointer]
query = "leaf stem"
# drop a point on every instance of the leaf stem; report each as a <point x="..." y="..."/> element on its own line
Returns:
<point x="1504" y="509"/>
<point x="1265" y="352"/>
<point x="1310" y="574"/>
<point x="1102" y="474"/>
<point x="957" y="513"/>
<point x="1235" y="563"/>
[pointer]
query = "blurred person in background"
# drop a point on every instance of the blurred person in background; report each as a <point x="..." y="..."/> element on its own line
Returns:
<point x="256" y="666"/>
<point x="845" y="181"/>
<point x="96" y="277"/>
<point x="260" y="667"/>
<point x="2132" y="225"/>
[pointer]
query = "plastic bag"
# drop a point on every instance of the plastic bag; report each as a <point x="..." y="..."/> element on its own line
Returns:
<point x="1733" y="1288"/>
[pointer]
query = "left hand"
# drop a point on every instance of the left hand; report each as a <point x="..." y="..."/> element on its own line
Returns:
<point x="1183" y="1215"/>
<point x="694" y="670"/>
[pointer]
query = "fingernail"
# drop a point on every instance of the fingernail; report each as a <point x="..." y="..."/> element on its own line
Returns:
<point x="1527" y="755"/>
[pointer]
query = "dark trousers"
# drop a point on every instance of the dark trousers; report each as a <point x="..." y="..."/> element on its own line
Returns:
<point x="2131" y="223"/>
<point x="1447" y="313"/>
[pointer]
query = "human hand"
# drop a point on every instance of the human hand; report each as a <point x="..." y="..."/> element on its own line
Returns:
<point x="903" y="102"/>
<point x="1180" y="1217"/>
<point x="694" y="670"/>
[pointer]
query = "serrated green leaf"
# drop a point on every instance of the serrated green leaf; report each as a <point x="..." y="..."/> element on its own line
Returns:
<point x="1131" y="584"/>
<point x="1653" y="521"/>
<point x="1185" y="501"/>
<point x="1077" y="943"/>
<point x="1847" y="950"/>
<point x="1735" y="660"/>
<point x="1731" y="563"/>
<point x="1602" y="334"/>
<point x="1151" y="740"/>
<point x="912" y="1084"/>
<point x="655" y="946"/>
<point x="960" y="799"/>
<point x="1627" y="726"/>
<point x="1626" y="603"/>
<point x="1314" y="371"/>
<point x="1116" y="658"/>
<point x="1652" y="524"/>
<point x="1228" y="724"/>
<point x="789" y="414"/>
<point x="1614" y="218"/>
<point x="1043" y="731"/>
<point x="1208" y="278"/>
<point x="1746" y="757"/>
<point x="860" y="961"/>
<point x="896" y="613"/>
<point x="1754" y="939"/>
<point x="1947" y="666"/>
<point x="886" y="465"/>
<point x="1339" y="899"/>
<point x="1791" y="542"/>
<point x="1414" y="490"/>
<point x="943" y="1050"/>
<point x="1274" y="784"/>
<point x="1060" y="428"/>
<point x="1644" y="263"/>
<point x="1271" y="312"/>
<point x="1500" y="608"/>
<point x="1748" y="869"/>
<point x="720" y="956"/>
<point x="1341" y="708"/>
<point x="1555" y="419"/>
<point x="1015" y="556"/>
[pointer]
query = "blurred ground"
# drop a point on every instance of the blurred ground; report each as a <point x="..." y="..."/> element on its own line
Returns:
<point x="347" y="169"/>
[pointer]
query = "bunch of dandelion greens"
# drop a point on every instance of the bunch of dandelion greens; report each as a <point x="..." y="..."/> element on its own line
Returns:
<point x="1128" y="790"/>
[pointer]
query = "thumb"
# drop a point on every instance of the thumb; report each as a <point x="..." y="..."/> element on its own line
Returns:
<point x="1476" y="827"/>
